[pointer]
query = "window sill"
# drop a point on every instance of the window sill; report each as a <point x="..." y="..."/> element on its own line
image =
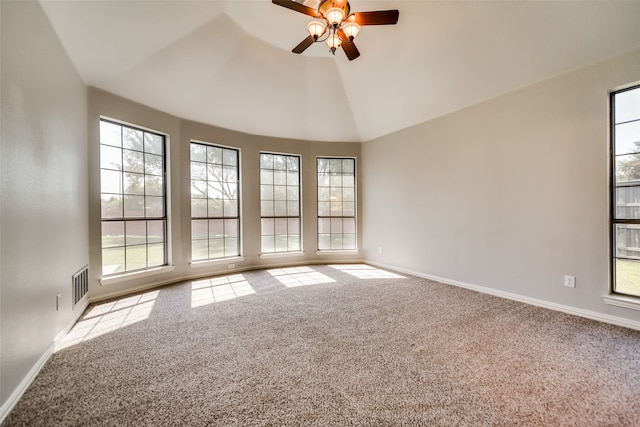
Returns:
<point x="110" y="280"/>
<point x="213" y="262"/>
<point x="281" y="254"/>
<point x="338" y="252"/>
<point x="622" y="301"/>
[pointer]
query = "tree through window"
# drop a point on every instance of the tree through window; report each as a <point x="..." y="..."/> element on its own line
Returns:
<point x="625" y="194"/>
<point x="215" y="202"/>
<point x="336" y="204"/>
<point x="280" y="203"/>
<point x="133" y="198"/>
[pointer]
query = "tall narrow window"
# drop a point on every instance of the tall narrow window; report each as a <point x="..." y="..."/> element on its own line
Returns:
<point x="134" y="214"/>
<point x="215" y="209"/>
<point x="625" y="193"/>
<point x="336" y="204"/>
<point x="280" y="202"/>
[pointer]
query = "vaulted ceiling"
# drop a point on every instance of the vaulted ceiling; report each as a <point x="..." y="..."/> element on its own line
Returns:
<point x="229" y="63"/>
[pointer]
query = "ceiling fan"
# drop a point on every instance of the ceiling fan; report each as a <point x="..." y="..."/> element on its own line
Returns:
<point x="337" y="21"/>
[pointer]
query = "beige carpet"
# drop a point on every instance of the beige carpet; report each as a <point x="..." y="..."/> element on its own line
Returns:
<point x="322" y="345"/>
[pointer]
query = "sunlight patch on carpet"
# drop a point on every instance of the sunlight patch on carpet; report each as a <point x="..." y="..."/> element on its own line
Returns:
<point x="299" y="276"/>
<point x="363" y="271"/>
<point x="208" y="291"/>
<point x="108" y="317"/>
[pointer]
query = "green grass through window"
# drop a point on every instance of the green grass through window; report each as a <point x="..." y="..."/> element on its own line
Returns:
<point x="627" y="277"/>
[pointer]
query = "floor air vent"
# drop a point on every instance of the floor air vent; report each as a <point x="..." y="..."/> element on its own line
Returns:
<point x="80" y="284"/>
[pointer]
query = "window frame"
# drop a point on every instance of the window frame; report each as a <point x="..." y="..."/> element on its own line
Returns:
<point x="355" y="206"/>
<point x="237" y="217"/>
<point x="299" y="217"/>
<point x="614" y="221"/>
<point x="133" y="219"/>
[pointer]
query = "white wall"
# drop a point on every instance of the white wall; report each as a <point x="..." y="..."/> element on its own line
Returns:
<point x="510" y="194"/>
<point x="43" y="214"/>
<point x="180" y="132"/>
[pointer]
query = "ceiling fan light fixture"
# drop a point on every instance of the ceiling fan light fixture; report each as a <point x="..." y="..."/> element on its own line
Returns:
<point x="334" y="16"/>
<point x="316" y="29"/>
<point x="333" y="41"/>
<point x="351" y="29"/>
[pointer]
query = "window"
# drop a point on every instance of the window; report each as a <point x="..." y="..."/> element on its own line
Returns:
<point x="625" y="192"/>
<point x="133" y="197"/>
<point x="215" y="206"/>
<point x="336" y="204"/>
<point x="280" y="202"/>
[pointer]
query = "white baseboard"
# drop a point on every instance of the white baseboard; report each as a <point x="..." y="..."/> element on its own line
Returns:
<point x="33" y="372"/>
<point x="588" y="314"/>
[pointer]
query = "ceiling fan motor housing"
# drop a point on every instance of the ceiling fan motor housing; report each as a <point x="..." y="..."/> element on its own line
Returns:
<point x="325" y="5"/>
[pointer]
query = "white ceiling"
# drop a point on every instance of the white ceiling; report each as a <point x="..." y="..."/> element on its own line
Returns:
<point x="229" y="63"/>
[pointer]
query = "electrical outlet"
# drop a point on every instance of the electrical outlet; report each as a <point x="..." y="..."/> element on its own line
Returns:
<point x="231" y="266"/>
<point x="570" y="281"/>
<point x="58" y="301"/>
<point x="379" y="249"/>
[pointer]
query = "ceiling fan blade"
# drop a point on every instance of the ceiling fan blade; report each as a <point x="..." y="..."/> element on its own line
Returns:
<point x="290" y="4"/>
<point x="350" y="50"/>
<point x="379" y="17"/>
<point x="304" y="44"/>
<point x="348" y="46"/>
